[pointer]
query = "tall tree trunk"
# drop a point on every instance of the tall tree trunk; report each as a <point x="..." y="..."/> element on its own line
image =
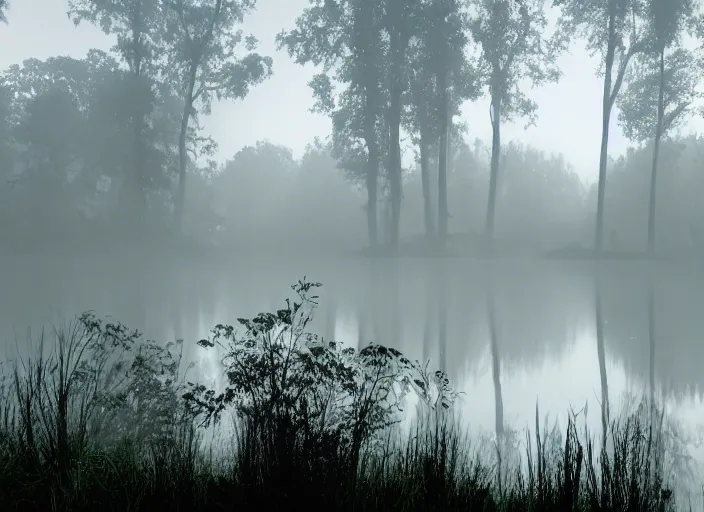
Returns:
<point x="182" y="166"/>
<point x="388" y="220"/>
<point x="134" y="184"/>
<point x="656" y="155"/>
<point x="395" y="183"/>
<point x="425" y="181"/>
<point x="605" y="119"/>
<point x="399" y="43"/>
<point x="132" y="198"/>
<point x="140" y="205"/>
<point x="495" y="154"/>
<point x="442" y="161"/>
<point x="372" y="177"/>
<point x="179" y="204"/>
<point x="365" y="37"/>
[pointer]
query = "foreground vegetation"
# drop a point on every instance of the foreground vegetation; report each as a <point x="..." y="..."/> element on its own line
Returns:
<point x="106" y="419"/>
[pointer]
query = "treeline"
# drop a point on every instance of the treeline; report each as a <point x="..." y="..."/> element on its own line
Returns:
<point x="544" y="204"/>
<point x="121" y="129"/>
<point x="116" y="136"/>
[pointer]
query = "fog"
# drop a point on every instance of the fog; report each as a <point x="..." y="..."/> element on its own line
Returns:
<point x="522" y="310"/>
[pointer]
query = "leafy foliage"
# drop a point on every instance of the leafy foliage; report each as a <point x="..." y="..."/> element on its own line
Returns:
<point x="638" y="105"/>
<point x="589" y="21"/>
<point x="137" y="25"/>
<point x="515" y="47"/>
<point x="283" y="377"/>
<point x="203" y="48"/>
<point x="203" y="63"/>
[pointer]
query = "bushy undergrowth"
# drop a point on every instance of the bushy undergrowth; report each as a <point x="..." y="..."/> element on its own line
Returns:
<point x="103" y="419"/>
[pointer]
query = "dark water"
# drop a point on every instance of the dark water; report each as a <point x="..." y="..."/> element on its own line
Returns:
<point x="512" y="333"/>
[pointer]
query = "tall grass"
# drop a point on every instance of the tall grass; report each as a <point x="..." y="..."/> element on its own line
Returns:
<point x="101" y="419"/>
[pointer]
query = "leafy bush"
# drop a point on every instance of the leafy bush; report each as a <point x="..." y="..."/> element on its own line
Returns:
<point x="297" y="391"/>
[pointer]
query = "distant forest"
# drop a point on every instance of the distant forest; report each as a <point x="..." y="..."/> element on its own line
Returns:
<point x="111" y="145"/>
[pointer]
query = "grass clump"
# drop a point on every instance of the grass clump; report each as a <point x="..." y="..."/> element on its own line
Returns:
<point x="103" y="419"/>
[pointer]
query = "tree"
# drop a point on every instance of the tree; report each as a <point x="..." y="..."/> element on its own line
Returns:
<point x="398" y="23"/>
<point x="345" y="37"/>
<point x="113" y="105"/>
<point x="421" y="122"/>
<point x="71" y="121"/>
<point x="138" y="26"/>
<point x="611" y="29"/>
<point x="202" y="48"/>
<point x="46" y="118"/>
<point x="7" y="156"/>
<point x="441" y="78"/>
<point x="51" y="134"/>
<point x="661" y="88"/>
<point x="514" y="48"/>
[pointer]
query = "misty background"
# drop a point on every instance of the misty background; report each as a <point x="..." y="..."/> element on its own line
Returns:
<point x="126" y="193"/>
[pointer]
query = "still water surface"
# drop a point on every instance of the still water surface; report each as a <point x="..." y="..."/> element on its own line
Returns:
<point x="514" y="333"/>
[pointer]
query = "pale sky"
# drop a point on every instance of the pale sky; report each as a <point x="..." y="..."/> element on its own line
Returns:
<point x="278" y="110"/>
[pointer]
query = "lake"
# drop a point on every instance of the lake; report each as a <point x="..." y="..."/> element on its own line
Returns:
<point x="513" y="333"/>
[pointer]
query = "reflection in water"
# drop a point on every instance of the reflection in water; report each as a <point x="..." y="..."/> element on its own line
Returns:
<point x="601" y="353"/>
<point x="508" y="334"/>
<point x="433" y="309"/>
<point x="428" y="318"/>
<point x="652" y="339"/>
<point x="496" y="376"/>
<point x="441" y="299"/>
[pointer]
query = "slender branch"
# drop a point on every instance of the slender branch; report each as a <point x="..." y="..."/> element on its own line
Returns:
<point x="204" y="88"/>
<point x="671" y="116"/>
<point x="632" y="50"/>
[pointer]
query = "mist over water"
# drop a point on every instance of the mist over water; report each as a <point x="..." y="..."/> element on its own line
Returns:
<point x="544" y="338"/>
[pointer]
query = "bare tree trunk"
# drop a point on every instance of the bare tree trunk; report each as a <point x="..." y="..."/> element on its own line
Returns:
<point x="656" y="154"/>
<point x="370" y="82"/>
<point x="179" y="204"/>
<point x="442" y="162"/>
<point x="372" y="179"/>
<point x="140" y="205"/>
<point x="425" y="180"/>
<point x="395" y="183"/>
<point x="134" y="184"/>
<point x="494" y="177"/>
<point x="611" y="89"/>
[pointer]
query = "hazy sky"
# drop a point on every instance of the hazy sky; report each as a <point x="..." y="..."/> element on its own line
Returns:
<point x="569" y="116"/>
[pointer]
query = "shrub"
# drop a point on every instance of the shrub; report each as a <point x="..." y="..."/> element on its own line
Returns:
<point x="297" y="393"/>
